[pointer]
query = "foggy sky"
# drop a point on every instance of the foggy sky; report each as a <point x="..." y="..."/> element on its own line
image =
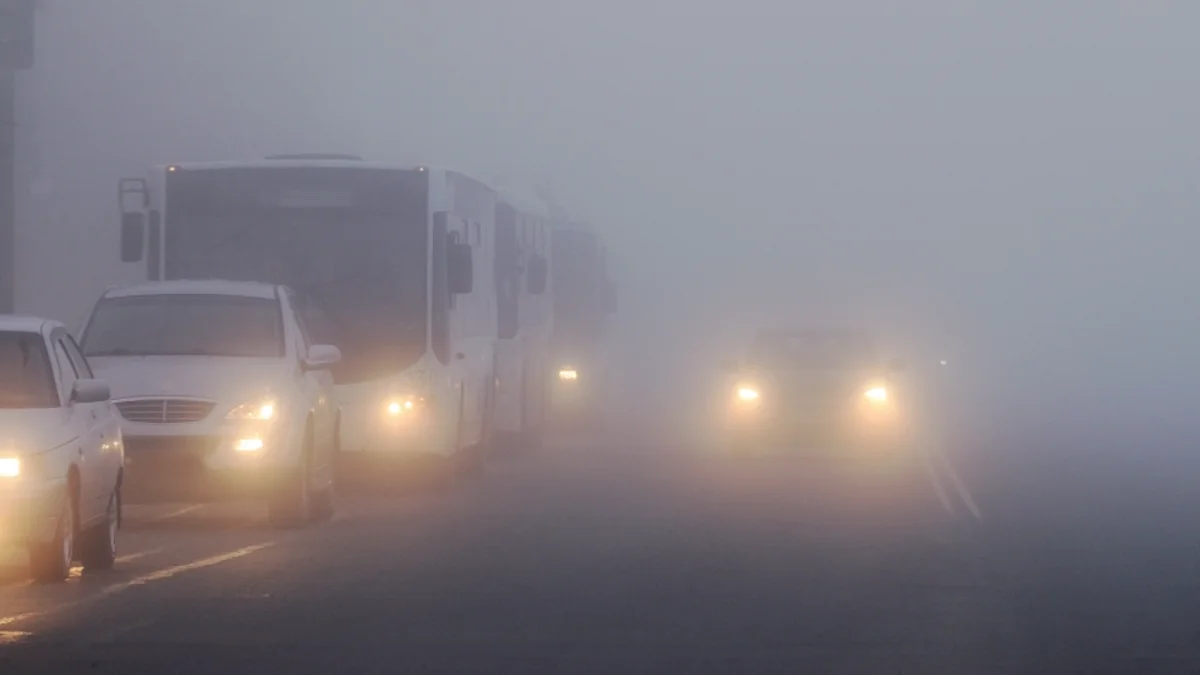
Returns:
<point x="1009" y="183"/>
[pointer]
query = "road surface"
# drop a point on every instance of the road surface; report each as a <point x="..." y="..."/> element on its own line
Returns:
<point x="620" y="558"/>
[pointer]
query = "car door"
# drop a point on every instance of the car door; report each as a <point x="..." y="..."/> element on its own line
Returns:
<point x="110" y="453"/>
<point x="83" y="419"/>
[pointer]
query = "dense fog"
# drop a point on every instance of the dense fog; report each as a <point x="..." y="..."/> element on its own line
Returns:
<point x="1009" y="186"/>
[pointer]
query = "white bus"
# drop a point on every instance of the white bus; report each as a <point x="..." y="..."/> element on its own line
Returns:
<point x="393" y="264"/>
<point x="524" y="313"/>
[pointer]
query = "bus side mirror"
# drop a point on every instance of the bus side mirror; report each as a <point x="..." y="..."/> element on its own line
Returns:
<point x="133" y="236"/>
<point x="538" y="272"/>
<point x="462" y="276"/>
<point x="610" y="298"/>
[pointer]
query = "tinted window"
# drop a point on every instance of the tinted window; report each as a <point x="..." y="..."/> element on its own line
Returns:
<point x="26" y="378"/>
<point x="177" y="325"/>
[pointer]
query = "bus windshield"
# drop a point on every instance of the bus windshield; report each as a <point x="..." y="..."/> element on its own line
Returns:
<point x="351" y="242"/>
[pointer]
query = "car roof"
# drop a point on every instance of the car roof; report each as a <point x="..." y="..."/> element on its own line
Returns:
<point x="245" y="289"/>
<point x="18" y="323"/>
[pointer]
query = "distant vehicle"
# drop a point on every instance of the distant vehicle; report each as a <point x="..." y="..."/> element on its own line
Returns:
<point x="524" y="319"/>
<point x="584" y="298"/>
<point x="392" y="264"/>
<point x="61" y="463"/>
<point x="221" y="389"/>
<point x="815" y="385"/>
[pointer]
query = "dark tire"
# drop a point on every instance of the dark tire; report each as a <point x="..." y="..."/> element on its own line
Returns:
<point x="291" y="503"/>
<point x="98" y="545"/>
<point x="51" y="563"/>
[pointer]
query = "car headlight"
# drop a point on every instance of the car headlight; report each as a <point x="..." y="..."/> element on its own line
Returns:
<point x="747" y="394"/>
<point x="10" y="467"/>
<point x="568" y="374"/>
<point x="877" y="394"/>
<point x="401" y="406"/>
<point x="264" y="409"/>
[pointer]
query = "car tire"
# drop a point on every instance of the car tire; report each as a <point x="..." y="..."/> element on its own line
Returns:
<point x="291" y="502"/>
<point x="51" y="562"/>
<point x="324" y="500"/>
<point x="98" y="545"/>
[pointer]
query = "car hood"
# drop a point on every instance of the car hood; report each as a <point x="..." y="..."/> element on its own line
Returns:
<point x="227" y="379"/>
<point x="33" y="430"/>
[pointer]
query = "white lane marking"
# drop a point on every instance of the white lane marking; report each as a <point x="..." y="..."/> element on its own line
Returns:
<point x="178" y="512"/>
<point x="140" y="554"/>
<point x="931" y="471"/>
<point x="159" y="575"/>
<point x="959" y="486"/>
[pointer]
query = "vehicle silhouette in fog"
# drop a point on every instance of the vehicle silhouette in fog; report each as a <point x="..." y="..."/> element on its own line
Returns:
<point x="805" y="386"/>
<point x="61" y="465"/>
<point x="221" y="391"/>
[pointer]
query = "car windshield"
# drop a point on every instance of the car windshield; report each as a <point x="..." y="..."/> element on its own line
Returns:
<point x="185" y="324"/>
<point x="812" y="351"/>
<point x="26" y="379"/>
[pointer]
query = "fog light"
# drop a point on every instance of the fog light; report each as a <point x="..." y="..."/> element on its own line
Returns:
<point x="248" y="444"/>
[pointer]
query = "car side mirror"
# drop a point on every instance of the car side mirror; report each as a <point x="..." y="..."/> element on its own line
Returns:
<point x="90" y="391"/>
<point x="610" y="298"/>
<point x="460" y="268"/>
<point x="322" y="356"/>
<point x="538" y="272"/>
<point x="133" y="236"/>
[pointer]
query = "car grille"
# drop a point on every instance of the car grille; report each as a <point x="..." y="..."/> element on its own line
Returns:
<point x="165" y="410"/>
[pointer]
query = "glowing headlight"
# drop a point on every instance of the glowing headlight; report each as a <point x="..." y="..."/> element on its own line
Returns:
<point x="568" y="374"/>
<point x="10" y="467"/>
<point x="248" y="444"/>
<point x="747" y="394"/>
<point x="261" y="409"/>
<point x="396" y="407"/>
<point x="876" y="394"/>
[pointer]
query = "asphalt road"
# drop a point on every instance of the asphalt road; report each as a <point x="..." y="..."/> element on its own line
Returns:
<point x="626" y="558"/>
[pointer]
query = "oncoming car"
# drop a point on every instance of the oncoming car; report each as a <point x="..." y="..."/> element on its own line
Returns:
<point x="61" y="453"/>
<point x="221" y="392"/>
<point x="815" y="385"/>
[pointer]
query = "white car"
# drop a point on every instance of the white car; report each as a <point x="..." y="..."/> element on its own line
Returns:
<point x="220" y="390"/>
<point x="61" y="454"/>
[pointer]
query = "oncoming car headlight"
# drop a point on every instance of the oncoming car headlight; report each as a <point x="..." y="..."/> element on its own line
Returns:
<point x="401" y="406"/>
<point x="263" y="409"/>
<point x="877" y="394"/>
<point x="10" y="467"/>
<point x="568" y="374"/>
<point x="747" y="393"/>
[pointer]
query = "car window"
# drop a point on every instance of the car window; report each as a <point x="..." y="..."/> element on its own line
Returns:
<point x="82" y="369"/>
<point x="26" y="377"/>
<point x="185" y="325"/>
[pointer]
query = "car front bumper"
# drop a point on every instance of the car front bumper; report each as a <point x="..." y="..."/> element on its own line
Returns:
<point x="29" y="512"/>
<point x="203" y="467"/>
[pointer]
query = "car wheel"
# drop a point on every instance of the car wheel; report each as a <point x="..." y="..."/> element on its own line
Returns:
<point x="323" y="500"/>
<point x="98" y="546"/>
<point x="292" y="501"/>
<point x="51" y="562"/>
